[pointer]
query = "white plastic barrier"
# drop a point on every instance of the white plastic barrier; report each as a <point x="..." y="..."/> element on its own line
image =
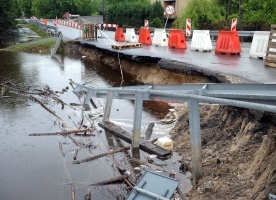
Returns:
<point x="130" y="35"/>
<point x="160" y="37"/>
<point x="259" y="44"/>
<point x="201" y="41"/>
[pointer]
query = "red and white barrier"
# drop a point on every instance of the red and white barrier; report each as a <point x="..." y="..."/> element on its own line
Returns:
<point x="110" y="25"/>
<point x="146" y="24"/>
<point x="188" y="27"/>
<point x="234" y="24"/>
<point x="34" y="18"/>
<point x="69" y="24"/>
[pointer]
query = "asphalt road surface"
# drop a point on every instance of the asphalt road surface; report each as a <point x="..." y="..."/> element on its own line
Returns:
<point x="241" y="66"/>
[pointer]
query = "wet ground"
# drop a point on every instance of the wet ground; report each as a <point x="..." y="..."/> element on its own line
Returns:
<point x="33" y="167"/>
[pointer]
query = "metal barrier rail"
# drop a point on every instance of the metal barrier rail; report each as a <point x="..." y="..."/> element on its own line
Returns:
<point x="214" y="33"/>
<point x="51" y="30"/>
<point x="251" y="96"/>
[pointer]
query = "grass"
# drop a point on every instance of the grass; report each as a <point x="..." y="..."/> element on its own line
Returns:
<point x="43" y="46"/>
<point x="42" y="34"/>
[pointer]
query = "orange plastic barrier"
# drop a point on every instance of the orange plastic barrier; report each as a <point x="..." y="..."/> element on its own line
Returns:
<point x="45" y="22"/>
<point x="228" y="42"/>
<point x="119" y="35"/>
<point x="177" y="39"/>
<point x="144" y="36"/>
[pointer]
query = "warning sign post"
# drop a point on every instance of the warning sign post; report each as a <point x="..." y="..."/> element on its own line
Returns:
<point x="169" y="10"/>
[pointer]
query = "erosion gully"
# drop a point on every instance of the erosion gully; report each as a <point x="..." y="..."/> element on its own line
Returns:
<point x="33" y="167"/>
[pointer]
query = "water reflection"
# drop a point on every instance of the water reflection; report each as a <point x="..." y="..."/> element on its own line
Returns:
<point x="33" y="167"/>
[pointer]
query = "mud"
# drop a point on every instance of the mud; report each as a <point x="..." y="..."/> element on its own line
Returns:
<point x="141" y="72"/>
<point x="238" y="151"/>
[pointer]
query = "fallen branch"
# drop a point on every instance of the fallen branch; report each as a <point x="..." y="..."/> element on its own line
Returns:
<point x="127" y="180"/>
<point x="93" y="103"/>
<point x="75" y="141"/>
<point x="110" y="181"/>
<point x="60" y="101"/>
<point x="63" y="133"/>
<point x="100" y="155"/>
<point x="42" y="104"/>
<point x="76" y="104"/>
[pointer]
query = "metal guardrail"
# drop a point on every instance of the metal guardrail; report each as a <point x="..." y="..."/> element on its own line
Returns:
<point x="242" y="34"/>
<point x="251" y="96"/>
<point x="54" y="50"/>
<point x="214" y="33"/>
<point x="51" y="30"/>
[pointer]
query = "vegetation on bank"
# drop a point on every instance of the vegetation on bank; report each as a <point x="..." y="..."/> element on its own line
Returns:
<point x="38" y="47"/>
<point x="40" y="33"/>
<point x="43" y="44"/>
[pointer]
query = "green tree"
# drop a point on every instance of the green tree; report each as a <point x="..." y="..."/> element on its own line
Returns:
<point x="8" y="12"/>
<point x="259" y="14"/>
<point x="132" y="12"/>
<point x="205" y="14"/>
<point x="53" y="8"/>
<point x="156" y="14"/>
<point x="26" y="6"/>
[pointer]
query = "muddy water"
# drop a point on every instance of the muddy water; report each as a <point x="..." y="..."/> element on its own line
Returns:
<point x="33" y="167"/>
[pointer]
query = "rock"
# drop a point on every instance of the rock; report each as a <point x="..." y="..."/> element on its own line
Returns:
<point x="207" y="186"/>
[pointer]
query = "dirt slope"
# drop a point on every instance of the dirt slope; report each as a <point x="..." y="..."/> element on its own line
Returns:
<point x="239" y="152"/>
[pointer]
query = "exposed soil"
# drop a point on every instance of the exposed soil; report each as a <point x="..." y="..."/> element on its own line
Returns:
<point x="238" y="145"/>
<point x="146" y="72"/>
<point x="238" y="152"/>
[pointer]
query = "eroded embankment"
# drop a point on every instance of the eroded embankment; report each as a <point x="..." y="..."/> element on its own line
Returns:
<point x="144" y="70"/>
<point x="239" y="145"/>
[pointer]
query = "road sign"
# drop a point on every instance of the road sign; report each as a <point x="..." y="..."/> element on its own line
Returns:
<point x="169" y="10"/>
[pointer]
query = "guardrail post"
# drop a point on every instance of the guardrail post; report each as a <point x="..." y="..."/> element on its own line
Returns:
<point x="138" y="107"/>
<point x="194" y="126"/>
<point x="87" y="100"/>
<point x="108" y="105"/>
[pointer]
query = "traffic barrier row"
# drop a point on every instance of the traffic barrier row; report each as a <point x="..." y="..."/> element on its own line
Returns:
<point x="68" y="23"/>
<point x="227" y="43"/>
<point x="73" y="24"/>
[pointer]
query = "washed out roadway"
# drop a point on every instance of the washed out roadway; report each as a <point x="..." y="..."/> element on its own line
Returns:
<point x="240" y="68"/>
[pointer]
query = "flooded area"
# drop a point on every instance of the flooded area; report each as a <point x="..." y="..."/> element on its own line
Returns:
<point x="34" y="167"/>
